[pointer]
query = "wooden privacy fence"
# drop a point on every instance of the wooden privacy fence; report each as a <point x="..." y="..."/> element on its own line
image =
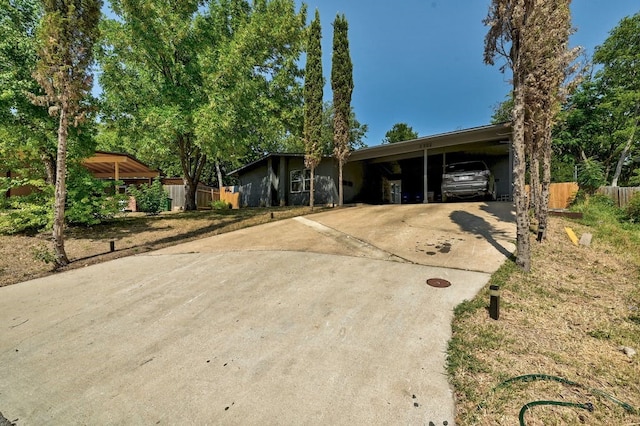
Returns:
<point x="561" y="194"/>
<point x="230" y="197"/>
<point x="204" y="196"/>
<point x="620" y="195"/>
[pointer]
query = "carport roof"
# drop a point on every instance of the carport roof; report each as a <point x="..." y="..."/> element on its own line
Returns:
<point x="491" y="133"/>
<point x="113" y="165"/>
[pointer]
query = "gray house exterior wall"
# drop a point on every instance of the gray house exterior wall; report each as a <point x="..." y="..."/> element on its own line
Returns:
<point x="267" y="182"/>
<point x="415" y="166"/>
<point x="254" y="187"/>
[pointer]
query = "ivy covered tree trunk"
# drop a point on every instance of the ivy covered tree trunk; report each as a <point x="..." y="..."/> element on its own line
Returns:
<point x="536" y="33"/>
<point x="545" y="189"/>
<point x="523" y="242"/>
<point x="534" y="166"/>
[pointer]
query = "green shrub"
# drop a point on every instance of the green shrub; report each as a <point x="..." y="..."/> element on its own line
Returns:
<point x="634" y="180"/>
<point x="27" y="213"/>
<point x="633" y="208"/>
<point x="150" y="198"/>
<point x="220" y="205"/>
<point x="598" y="209"/>
<point x="91" y="201"/>
<point x="591" y="176"/>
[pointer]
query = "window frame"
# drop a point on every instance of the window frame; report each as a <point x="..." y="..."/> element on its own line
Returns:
<point x="301" y="177"/>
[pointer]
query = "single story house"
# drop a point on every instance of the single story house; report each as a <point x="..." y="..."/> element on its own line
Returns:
<point x="402" y="172"/>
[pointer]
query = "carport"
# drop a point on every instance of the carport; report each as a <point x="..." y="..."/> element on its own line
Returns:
<point x="411" y="171"/>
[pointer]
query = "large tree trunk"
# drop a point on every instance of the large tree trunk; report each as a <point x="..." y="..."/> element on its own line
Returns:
<point x="219" y="174"/>
<point x="523" y="244"/>
<point x="534" y="183"/>
<point x="190" y="191"/>
<point x="60" y="256"/>
<point x="531" y="145"/>
<point x="623" y="156"/>
<point x="192" y="161"/>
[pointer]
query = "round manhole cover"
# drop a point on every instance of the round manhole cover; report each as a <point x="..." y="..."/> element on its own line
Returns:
<point x="438" y="282"/>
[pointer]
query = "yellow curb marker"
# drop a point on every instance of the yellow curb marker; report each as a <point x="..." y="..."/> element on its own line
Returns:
<point x="572" y="236"/>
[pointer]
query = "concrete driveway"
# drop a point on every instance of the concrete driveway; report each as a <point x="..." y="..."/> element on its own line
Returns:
<point x="324" y="319"/>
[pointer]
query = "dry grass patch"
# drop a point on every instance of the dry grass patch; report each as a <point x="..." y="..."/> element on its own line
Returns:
<point x="567" y="318"/>
<point x="22" y="257"/>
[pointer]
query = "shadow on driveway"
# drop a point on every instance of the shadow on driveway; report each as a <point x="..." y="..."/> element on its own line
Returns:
<point x="476" y="225"/>
<point x="499" y="211"/>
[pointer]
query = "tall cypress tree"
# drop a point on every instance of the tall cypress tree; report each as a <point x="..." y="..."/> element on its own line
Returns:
<point x="342" y="86"/>
<point x="313" y="87"/>
<point x="69" y="30"/>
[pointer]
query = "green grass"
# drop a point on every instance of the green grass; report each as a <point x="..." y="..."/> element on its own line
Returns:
<point x="566" y="318"/>
<point x="609" y="223"/>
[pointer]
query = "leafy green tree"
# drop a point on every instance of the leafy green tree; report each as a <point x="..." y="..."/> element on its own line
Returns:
<point x="252" y="78"/>
<point x="586" y="126"/>
<point x="503" y="111"/>
<point x="313" y="92"/>
<point x="400" y="132"/>
<point x="342" y="86"/>
<point x="152" y="83"/>
<point x="202" y="83"/>
<point x="27" y="132"/>
<point x="619" y="56"/>
<point x="66" y="37"/>
<point x="600" y="120"/>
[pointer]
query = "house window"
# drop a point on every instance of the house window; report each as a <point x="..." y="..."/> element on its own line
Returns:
<point x="300" y="180"/>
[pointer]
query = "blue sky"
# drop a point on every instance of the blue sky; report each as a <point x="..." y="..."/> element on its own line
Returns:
<point x="421" y="61"/>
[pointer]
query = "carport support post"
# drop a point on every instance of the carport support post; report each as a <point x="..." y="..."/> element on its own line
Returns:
<point x="426" y="179"/>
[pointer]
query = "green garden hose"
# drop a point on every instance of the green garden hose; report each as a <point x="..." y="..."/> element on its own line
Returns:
<point x="525" y="407"/>
<point x="587" y="406"/>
